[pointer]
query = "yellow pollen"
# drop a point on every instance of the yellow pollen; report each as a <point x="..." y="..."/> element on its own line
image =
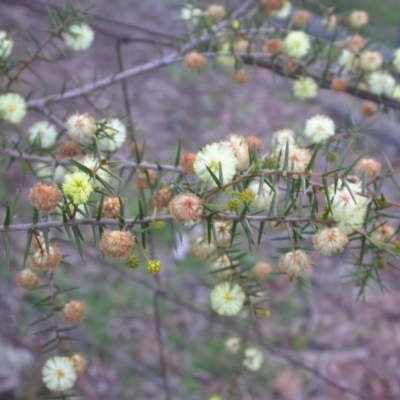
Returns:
<point x="11" y="108"/>
<point x="228" y="297"/>
<point x="60" y="374"/>
<point x="214" y="165"/>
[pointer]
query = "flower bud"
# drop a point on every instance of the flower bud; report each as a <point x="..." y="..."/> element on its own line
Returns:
<point x="154" y="266"/>
<point x="215" y="12"/>
<point x="132" y="261"/>
<point x="369" y="109"/>
<point x="273" y="46"/>
<point x="73" y="311"/>
<point x="45" y="198"/>
<point x="186" y="207"/>
<point x="187" y="162"/>
<point x="79" y="362"/>
<point x="261" y="270"/>
<point x="117" y="244"/>
<point x="195" y="60"/>
<point x="111" y="208"/>
<point x="27" y="279"/>
<point x="339" y="84"/>
<point x="68" y="149"/>
<point x="241" y="76"/>
<point x="301" y="18"/>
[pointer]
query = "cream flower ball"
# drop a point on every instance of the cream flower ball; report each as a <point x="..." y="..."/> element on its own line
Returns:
<point x="227" y="299"/>
<point x="78" y="37"/>
<point x="305" y="88"/>
<point x="347" y="60"/>
<point x="297" y="44"/>
<point x="58" y="374"/>
<point x="284" y="12"/>
<point x="113" y="136"/>
<point x="371" y="61"/>
<point x="12" y="108"/>
<point x="263" y="195"/>
<point x="91" y="162"/>
<point x="283" y="136"/>
<point x="6" y="45"/>
<point x="295" y="263"/>
<point x="220" y="159"/>
<point x="43" y="133"/>
<point x="240" y="149"/>
<point x="381" y="82"/>
<point x="319" y="128"/>
<point x="253" y="359"/>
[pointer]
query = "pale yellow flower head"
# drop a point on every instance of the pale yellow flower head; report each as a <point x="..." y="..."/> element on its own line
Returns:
<point x="78" y="37"/>
<point x="319" y="128"/>
<point x="77" y="186"/>
<point x="297" y="44"/>
<point x="305" y="88"/>
<point x="253" y="359"/>
<point x="43" y="133"/>
<point x="227" y="299"/>
<point x="12" y="108"/>
<point x="58" y="374"/>
<point x="220" y="159"/>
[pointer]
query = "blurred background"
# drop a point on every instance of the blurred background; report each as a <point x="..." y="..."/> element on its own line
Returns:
<point x="319" y="343"/>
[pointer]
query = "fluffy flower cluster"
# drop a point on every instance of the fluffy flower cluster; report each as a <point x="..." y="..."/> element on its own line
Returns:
<point x="78" y="37"/>
<point x="43" y="133"/>
<point x="92" y="162"/>
<point x="347" y="206"/>
<point x="297" y="44"/>
<point x="227" y="299"/>
<point x="117" y="244"/>
<point x="6" y="45"/>
<point x="253" y="359"/>
<point x="80" y="127"/>
<point x="12" y="108"/>
<point x="113" y="136"/>
<point x="381" y="82"/>
<point x="319" y="128"/>
<point x="295" y="262"/>
<point x="264" y="194"/>
<point x="218" y="158"/>
<point x="305" y="88"/>
<point x="77" y="186"/>
<point x="58" y="374"/>
<point x="330" y="240"/>
<point x="186" y="208"/>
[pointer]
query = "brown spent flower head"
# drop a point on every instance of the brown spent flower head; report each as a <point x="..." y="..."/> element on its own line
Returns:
<point x="330" y="240"/>
<point x="371" y="166"/>
<point x="241" y="76"/>
<point x="160" y="201"/>
<point x="291" y="67"/>
<point x="277" y="226"/>
<point x="339" y="84"/>
<point x="187" y="162"/>
<point x="27" y="279"/>
<point x="45" y="198"/>
<point x="111" y="208"/>
<point x="295" y="262"/>
<point x="74" y="311"/>
<point x="42" y="261"/>
<point x="261" y="270"/>
<point x="358" y="19"/>
<point x="117" y="244"/>
<point x="185" y="208"/>
<point x="369" y="109"/>
<point x="254" y="140"/>
<point x="273" y="46"/>
<point x="301" y="18"/>
<point x="384" y="233"/>
<point x="146" y="178"/>
<point x="352" y="43"/>
<point x="68" y="149"/>
<point x="195" y="60"/>
<point x="215" y="12"/>
<point x="79" y="362"/>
